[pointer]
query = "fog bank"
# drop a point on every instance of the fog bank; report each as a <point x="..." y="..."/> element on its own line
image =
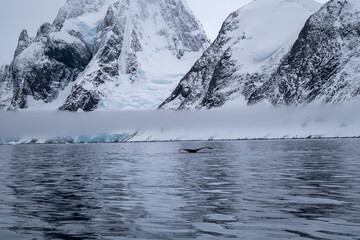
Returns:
<point x="245" y="123"/>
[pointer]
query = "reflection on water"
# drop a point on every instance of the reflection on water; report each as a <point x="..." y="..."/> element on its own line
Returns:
<point x="299" y="189"/>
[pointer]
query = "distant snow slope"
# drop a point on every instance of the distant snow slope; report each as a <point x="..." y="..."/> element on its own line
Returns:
<point x="115" y="54"/>
<point x="248" y="49"/>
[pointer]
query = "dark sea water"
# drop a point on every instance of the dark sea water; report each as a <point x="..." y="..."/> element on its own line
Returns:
<point x="294" y="189"/>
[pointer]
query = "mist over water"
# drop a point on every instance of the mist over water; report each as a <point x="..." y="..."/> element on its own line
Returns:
<point x="245" y="122"/>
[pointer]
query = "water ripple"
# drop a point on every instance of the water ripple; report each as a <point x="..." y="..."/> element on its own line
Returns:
<point x="295" y="189"/>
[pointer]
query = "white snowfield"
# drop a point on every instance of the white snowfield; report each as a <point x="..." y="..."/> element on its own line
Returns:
<point x="160" y="73"/>
<point x="266" y="30"/>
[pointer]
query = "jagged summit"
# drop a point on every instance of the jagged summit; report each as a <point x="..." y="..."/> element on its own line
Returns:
<point x="249" y="47"/>
<point x="111" y="54"/>
<point x="44" y="66"/>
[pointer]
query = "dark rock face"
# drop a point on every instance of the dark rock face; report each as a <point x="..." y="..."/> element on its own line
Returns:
<point x="223" y="76"/>
<point x="44" y="30"/>
<point x="322" y="65"/>
<point x="190" y="90"/>
<point x="24" y="42"/>
<point x="6" y="86"/>
<point x="46" y="66"/>
<point x="88" y="99"/>
<point x="201" y="79"/>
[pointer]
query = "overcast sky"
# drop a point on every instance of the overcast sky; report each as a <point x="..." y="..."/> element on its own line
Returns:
<point x="16" y="15"/>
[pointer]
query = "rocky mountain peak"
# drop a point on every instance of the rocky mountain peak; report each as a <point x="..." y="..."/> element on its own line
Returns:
<point x="23" y="43"/>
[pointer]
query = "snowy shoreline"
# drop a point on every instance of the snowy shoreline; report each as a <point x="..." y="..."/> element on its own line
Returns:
<point x="49" y="142"/>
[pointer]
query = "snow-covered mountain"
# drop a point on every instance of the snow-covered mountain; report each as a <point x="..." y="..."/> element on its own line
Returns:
<point x="107" y="54"/>
<point x="324" y="63"/>
<point x="248" y="49"/>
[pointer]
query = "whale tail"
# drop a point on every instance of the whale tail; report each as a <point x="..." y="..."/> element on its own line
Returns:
<point x="195" y="150"/>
